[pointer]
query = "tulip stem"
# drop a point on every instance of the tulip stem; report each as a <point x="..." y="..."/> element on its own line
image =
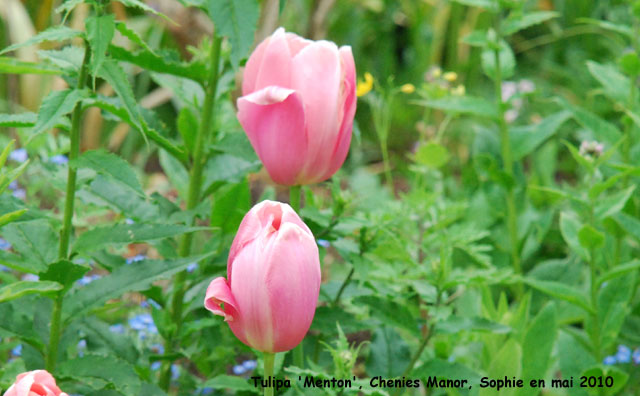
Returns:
<point x="294" y="198"/>
<point x="269" y="359"/>
<point x="199" y="158"/>
<point x="65" y="232"/>
<point x="294" y="201"/>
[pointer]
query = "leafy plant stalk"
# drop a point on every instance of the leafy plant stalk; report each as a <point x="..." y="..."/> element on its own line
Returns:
<point x="423" y="344"/>
<point x="193" y="197"/>
<point x="507" y="162"/>
<point x="594" y="285"/>
<point x="65" y="233"/>
<point x="269" y="359"/>
<point x="381" y="118"/>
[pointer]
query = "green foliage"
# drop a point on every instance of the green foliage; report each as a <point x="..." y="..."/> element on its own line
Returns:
<point x="237" y="20"/>
<point x="486" y="221"/>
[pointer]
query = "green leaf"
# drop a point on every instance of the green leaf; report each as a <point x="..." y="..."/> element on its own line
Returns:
<point x="100" y="371"/>
<point x="477" y="38"/>
<point x="99" y="237"/>
<point x="515" y="22"/>
<point x="569" y="228"/>
<point x="432" y="154"/>
<point x="236" y="19"/>
<point x="155" y="63"/>
<point x="490" y="5"/>
<point x="5" y="152"/>
<point x="142" y="6"/>
<point x="188" y="127"/>
<point x="227" y="168"/>
<point x="122" y="198"/>
<point x="111" y="72"/>
<point x="8" y="177"/>
<point x="389" y="353"/>
<point x="629" y="224"/>
<point x="9" y="65"/>
<point x="614" y="203"/>
<point x="561" y="291"/>
<point x="22" y="288"/>
<point x="18" y="120"/>
<point x="505" y="364"/>
<point x="35" y="240"/>
<point x="18" y="321"/>
<point x="233" y="383"/>
<point x="525" y="139"/>
<point x="68" y="6"/>
<point x="55" y="33"/>
<point x="100" y="337"/>
<point x="69" y="58"/>
<point x="507" y="61"/>
<point x="389" y="312"/>
<point x="64" y="272"/>
<point x="463" y="105"/>
<point x="611" y="26"/>
<point x="110" y="164"/>
<point x="176" y="172"/>
<point x="232" y="202"/>
<point x="537" y="347"/>
<point x="602" y="130"/>
<point x="619" y="270"/>
<point x="590" y="238"/>
<point x="115" y="107"/>
<point x="11" y="216"/>
<point x="133" y="36"/>
<point x="100" y="30"/>
<point x="124" y="279"/>
<point x="585" y="162"/>
<point x="634" y="117"/>
<point x="574" y="358"/>
<point x="55" y="106"/>
<point x="630" y="64"/>
<point x="456" y="324"/>
<point x="615" y="84"/>
<point x="613" y="307"/>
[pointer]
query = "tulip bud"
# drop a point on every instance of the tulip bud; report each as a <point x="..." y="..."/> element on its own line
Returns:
<point x="38" y="382"/>
<point x="297" y="108"/>
<point x="273" y="279"/>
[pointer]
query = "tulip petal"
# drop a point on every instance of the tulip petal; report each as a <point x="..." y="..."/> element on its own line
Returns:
<point x="255" y="324"/>
<point x="348" y="111"/>
<point x="43" y="377"/>
<point x="293" y="280"/>
<point x="317" y="78"/>
<point x="274" y="120"/>
<point x="296" y="43"/>
<point x="218" y="293"/>
<point x="275" y="68"/>
<point x="252" y="67"/>
<point x="266" y="214"/>
<point x="24" y="382"/>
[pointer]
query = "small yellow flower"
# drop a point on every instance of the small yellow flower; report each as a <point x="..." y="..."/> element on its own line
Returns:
<point x="408" y="88"/>
<point x="450" y="76"/>
<point x="458" y="91"/>
<point x="436" y="72"/>
<point x="365" y="86"/>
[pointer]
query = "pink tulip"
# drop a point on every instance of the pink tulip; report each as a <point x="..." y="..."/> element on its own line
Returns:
<point x="298" y="106"/>
<point x="273" y="280"/>
<point x="34" y="383"/>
